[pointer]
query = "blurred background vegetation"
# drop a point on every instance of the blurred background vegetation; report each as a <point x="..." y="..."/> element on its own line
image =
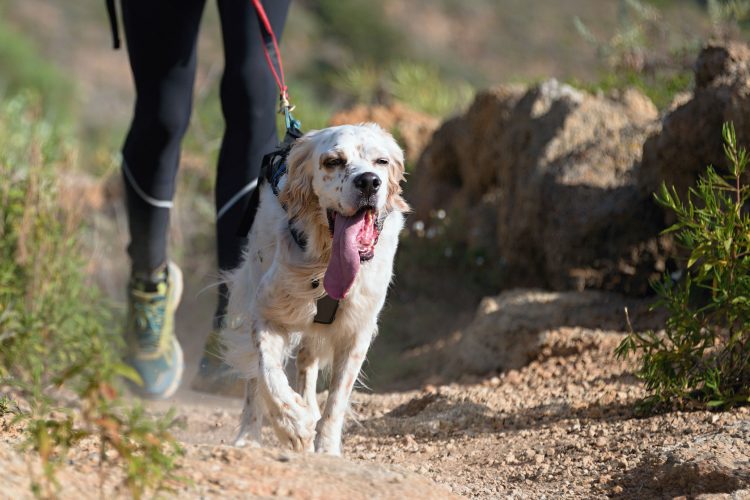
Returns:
<point x="429" y="54"/>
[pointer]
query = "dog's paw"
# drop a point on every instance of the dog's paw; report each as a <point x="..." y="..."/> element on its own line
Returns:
<point x="294" y="425"/>
<point x="327" y="447"/>
<point x="246" y="442"/>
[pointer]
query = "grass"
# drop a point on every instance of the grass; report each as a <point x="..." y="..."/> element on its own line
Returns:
<point x="23" y="69"/>
<point x="661" y="88"/>
<point x="370" y="37"/>
<point x="645" y="52"/>
<point x="57" y="335"/>
<point x="420" y="86"/>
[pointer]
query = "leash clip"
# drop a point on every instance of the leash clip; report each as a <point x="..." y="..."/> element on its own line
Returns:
<point x="284" y="105"/>
<point x="293" y="126"/>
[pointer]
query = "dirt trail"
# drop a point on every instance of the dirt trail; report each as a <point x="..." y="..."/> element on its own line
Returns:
<point x="562" y="427"/>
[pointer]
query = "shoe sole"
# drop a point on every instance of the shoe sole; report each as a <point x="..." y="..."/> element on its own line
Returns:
<point x="175" y="274"/>
<point x="169" y="392"/>
<point x="225" y="382"/>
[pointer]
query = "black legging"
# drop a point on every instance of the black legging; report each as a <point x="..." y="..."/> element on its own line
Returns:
<point x="161" y="39"/>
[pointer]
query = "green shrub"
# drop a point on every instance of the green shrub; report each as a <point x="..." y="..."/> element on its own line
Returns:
<point x="56" y="334"/>
<point x="644" y="52"/>
<point x="360" y="26"/>
<point x="728" y="13"/>
<point x="704" y="353"/>
<point x="421" y="86"/>
<point x="21" y="68"/>
<point x="660" y="87"/>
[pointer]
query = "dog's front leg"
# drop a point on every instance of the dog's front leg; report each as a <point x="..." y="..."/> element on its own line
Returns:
<point x="251" y="422"/>
<point x="307" y="378"/>
<point x="347" y="362"/>
<point x="292" y="421"/>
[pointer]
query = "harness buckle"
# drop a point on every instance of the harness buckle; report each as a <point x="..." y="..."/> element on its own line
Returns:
<point x="284" y="105"/>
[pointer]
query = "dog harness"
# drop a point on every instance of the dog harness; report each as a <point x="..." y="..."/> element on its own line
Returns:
<point x="272" y="169"/>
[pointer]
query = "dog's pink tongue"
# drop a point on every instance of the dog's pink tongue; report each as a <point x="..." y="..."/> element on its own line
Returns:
<point x="344" y="263"/>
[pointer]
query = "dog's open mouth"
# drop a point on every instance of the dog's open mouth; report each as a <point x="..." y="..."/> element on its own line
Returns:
<point x="354" y="240"/>
<point x="367" y="235"/>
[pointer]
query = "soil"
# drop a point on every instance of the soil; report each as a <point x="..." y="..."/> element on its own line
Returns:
<point x="565" y="426"/>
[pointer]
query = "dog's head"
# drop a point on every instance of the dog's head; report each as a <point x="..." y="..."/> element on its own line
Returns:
<point x="345" y="180"/>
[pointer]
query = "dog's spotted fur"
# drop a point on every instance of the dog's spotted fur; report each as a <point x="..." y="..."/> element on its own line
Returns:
<point x="273" y="301"/>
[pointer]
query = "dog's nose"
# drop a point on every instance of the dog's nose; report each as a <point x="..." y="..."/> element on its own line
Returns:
<point x="368" y="183"/>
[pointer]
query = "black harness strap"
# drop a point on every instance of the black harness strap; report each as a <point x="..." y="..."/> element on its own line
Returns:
<point x="272" y="169"/>
<point x="113" y="25"/>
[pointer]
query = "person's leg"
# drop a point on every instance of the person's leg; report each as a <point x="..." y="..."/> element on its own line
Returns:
<point x="161" y="39"/>
<point x="249" y="100"/>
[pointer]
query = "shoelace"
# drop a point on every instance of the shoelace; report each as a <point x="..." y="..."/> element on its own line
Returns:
<point x="149" y="318"/>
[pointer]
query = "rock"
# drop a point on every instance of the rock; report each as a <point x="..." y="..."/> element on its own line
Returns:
<point x="544" y="181"/>
<point x="458" y="169"/>
<point x="518" y="326"/>
<point x="735" y="495"/>
<point x="568" y="199"/>
<point x="726" y="61"/>
<point x="690" y="135"/>
<point x="461" y="160"/>
<point x="555" y="185"/>
<point x="412" y="129"/>
<point x="714" y="465"/>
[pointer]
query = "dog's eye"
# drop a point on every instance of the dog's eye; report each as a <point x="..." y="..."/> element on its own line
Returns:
<point x="382" y="161"/>
<point x="334" y="162"/>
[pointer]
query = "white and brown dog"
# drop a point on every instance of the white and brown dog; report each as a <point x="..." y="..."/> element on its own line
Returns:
<point x="336" y="221"/>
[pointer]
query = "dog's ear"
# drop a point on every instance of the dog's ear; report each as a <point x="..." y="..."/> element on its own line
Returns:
<point x="395" y="176"/>
<point x="297" y="193"/>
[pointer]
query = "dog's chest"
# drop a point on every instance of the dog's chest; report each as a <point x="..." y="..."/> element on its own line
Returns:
<point x="290" y="299"/>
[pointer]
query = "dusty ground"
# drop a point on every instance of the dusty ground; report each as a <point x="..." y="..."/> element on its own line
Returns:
<point x="562" y="427"/>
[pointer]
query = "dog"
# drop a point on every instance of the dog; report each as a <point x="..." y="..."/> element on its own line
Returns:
<point x="333" y="219"/>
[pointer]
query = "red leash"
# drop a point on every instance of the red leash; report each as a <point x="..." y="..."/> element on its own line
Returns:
<point x="272" y="52"/>
<point x="270" y="49"/>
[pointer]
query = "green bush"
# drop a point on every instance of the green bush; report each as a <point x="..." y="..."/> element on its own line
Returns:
<point x="661" y="87"/>
<point x="421" y="86"/>
<point x="56" y="334"/>
<point x="644" y="52"/>
<point x="704" y="353"/>
<point x="729" y="12"/>
<point x="21" y="68"/>
<point x="360" y="26"/>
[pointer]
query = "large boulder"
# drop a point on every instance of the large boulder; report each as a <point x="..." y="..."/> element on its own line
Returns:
<point x="569" y="205"/>
<point x="690" y="136"/>
<point x="459" y="165"/>
<point x="555" y="185"/>
<point x="545" y="182"/>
